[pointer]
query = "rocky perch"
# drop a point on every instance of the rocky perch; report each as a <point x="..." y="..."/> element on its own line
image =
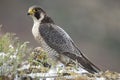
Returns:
<point x="20" y="62"/>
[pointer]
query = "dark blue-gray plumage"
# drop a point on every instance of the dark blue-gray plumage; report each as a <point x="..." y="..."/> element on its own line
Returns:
<point x="56" y="41"/>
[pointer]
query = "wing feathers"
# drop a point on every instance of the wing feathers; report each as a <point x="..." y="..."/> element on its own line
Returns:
<point x="59" y="40"/>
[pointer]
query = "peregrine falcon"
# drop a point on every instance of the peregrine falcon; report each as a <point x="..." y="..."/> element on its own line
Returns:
<point x="56" y="41"/>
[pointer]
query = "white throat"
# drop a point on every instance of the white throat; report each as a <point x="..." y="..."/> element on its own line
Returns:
<point x="36" y="25"/>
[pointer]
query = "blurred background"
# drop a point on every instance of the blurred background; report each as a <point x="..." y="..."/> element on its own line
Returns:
<point x="94" y="25"/>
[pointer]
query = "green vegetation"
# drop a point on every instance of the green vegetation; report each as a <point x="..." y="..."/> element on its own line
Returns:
<point x="12" y="53"/>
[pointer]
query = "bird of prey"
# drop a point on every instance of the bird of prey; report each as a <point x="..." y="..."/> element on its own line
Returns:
<point x="56" y="41"/>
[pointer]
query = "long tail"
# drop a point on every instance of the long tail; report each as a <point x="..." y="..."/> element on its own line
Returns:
<point x="87" y="65"/>
<point x="83" y="62"/>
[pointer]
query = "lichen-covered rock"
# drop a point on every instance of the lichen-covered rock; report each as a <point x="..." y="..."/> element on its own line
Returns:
<point x="18" y="62"/>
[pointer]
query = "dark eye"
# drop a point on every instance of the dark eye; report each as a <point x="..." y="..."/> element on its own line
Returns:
<point x="36" y="10"/>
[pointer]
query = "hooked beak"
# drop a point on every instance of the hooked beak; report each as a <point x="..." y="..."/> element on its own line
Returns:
<point x="31" y="12"/>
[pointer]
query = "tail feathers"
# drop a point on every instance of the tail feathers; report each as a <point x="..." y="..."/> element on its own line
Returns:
<point x="87" y="65"/>
<point x="83" y="62"/>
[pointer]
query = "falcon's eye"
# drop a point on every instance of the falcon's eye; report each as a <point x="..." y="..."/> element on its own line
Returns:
<point x="36" y="10"/>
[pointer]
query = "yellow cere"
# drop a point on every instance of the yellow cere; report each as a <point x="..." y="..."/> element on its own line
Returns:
<point x="31" y="11"/>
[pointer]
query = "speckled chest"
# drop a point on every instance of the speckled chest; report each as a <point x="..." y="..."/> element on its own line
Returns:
<point x="40" y="40"/>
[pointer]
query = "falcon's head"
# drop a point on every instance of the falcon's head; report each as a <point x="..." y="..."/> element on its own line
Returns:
<point x="36" y="13"/>
<point x="39" y="15"/>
